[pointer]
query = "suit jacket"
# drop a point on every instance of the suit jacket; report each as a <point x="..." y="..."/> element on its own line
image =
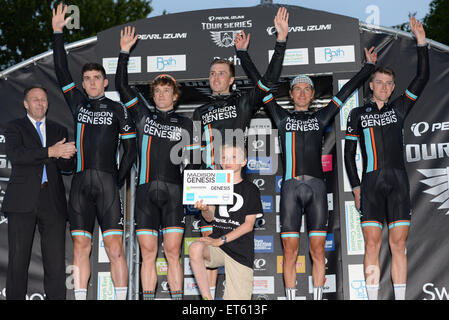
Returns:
<point x="24" y="150"/>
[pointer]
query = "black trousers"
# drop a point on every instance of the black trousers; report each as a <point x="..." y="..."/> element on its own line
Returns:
<point x="21" y="228"/>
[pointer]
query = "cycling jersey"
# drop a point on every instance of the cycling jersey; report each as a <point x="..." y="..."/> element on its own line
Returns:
<point x="301" y="132"/>
<point x="159" y="133"/>
<point x="381" y="131"/>
<point x="99" y="123"/>
<point x="233" y="111"/>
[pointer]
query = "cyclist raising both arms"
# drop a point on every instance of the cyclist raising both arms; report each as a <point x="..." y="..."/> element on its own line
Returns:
<point x="303" y="189"/>
<point x="383" y="193"/>
<point x="159" y="191"/>
<point x="233" y="110"/>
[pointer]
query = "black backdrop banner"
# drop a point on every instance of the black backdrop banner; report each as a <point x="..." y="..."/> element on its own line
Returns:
<point x="322" y="44"/>
<point x="184" y="44"/>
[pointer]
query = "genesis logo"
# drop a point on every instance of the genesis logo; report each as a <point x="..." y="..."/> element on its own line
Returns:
<point x="438" y="180"/>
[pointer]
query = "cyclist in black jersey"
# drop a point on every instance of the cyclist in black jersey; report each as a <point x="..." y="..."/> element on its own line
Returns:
<point x="303" y="189"/>
<point x="384" y="191"/>
<point x="159" y="191"/>
<point x="100" y="124"/>
<point x="233" y="110"/>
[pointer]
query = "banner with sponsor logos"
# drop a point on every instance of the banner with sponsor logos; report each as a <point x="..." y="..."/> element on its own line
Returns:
<point x="319" y="42"/>
<point x="184" y="44"/>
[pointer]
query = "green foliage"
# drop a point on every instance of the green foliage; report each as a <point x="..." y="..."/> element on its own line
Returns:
<point x="436" y="22"/>
<point x="26" y="30"/>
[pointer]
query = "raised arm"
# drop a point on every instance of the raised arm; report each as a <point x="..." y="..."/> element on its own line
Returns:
<point x="73" y="96"/>
<point x="128" y="96"/>
<point x="271" y="77"/>
<point x="414" y="90"/>
<point x="128" y="141"/>
<point x="337" y="102"/>
<point x="274" y="68"/>
<point x="352" y="137"/>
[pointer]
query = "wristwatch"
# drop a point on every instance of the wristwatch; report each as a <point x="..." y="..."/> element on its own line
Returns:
<point x="224" y="239"/>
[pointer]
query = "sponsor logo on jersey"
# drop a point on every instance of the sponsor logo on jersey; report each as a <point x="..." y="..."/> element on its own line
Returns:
<point x="378" y="120"/>
<point x="165" y="131"/>
<point x="293" y="124"/>
<point x="222" y="113"/>
<point x="95" y="117"/>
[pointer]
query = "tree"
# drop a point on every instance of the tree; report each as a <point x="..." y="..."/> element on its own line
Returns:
<point x="25" y="25"/>
<point x="436" y="22"/>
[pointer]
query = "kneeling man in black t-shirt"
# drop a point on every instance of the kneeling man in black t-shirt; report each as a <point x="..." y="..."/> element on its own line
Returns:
<point x="231" y="243"/>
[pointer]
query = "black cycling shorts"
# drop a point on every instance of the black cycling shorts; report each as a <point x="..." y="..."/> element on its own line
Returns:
<point x="159" y="205"/>
<point x="93" y="194"/>
<point x="385" y="195"/>
<point x="309" y="196"/>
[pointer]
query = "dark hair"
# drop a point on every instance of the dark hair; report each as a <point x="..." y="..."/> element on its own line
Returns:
<point x="225" y="61"/>
<point x="90" y="66"/>
<point x="383" y="70"/>
<point x="165" y="80"/>
<point x="35" y="86"/>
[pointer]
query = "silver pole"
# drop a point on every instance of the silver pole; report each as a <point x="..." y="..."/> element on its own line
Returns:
<point x="133" y="256"/>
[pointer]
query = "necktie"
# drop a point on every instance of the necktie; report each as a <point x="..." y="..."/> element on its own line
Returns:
<point x="44" y="174"/>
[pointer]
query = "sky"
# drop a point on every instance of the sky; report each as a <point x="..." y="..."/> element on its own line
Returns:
<point x="386" y="13"/>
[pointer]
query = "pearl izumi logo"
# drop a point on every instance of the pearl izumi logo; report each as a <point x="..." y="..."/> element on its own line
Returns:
<point x="223" y="29"/>
<point x="421" y="128"/>
<point x="438" y="181"/>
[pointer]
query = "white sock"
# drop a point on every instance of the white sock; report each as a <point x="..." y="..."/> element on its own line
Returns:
<point x="372" y="290"/>
<point x="120" y="293"/>
<point x="80" y="294"/>
<point x="399" y="291"/>
<point x="212" y="292"/>
<point x="317" y="293"/>
<point x="290" y="293"/>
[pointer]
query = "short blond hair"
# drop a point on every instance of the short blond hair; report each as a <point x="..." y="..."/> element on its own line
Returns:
<point x="241" y="149"/>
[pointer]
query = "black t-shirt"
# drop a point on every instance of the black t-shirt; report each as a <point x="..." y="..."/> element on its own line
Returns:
<point x="230" y="217"/>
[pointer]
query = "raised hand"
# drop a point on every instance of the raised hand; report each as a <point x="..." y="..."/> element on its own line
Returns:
<point x="281" y="23"/>
<point x="418" y="30"/>
<point x="128" y="38"/>
<point x="371" y="55"/>
<point x="59" y="21"/>
<point x="241" y="41"/>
